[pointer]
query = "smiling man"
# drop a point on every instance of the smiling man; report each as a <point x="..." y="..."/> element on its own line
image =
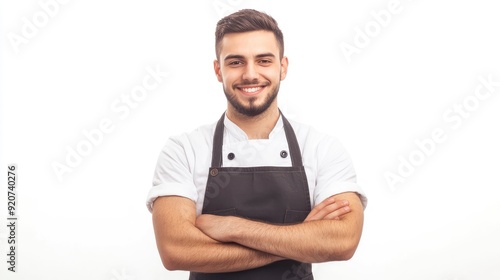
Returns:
<point x="254" y="196"/>
<point x="252" y="73"/>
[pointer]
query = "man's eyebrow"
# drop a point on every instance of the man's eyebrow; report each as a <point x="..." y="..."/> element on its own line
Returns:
<point x="265" y="55"/>
<point x="237" y="56"/>
<point x="234" y="56"/>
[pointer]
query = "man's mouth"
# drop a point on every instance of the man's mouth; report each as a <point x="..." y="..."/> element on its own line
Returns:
<point x="251" y="90"/>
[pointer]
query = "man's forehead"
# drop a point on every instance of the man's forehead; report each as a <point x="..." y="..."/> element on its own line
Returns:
<point x="249" y="44"/>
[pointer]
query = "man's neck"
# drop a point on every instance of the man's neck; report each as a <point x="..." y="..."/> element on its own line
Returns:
<point x="257" y="127"/>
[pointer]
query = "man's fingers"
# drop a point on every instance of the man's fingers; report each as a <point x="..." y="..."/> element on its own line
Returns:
<point x="335" y="215"/>
<point x="329" y="209"/>
<point x="320" y="206"/>
<point x="326" y="202"/>
<point x="334" y="210"/>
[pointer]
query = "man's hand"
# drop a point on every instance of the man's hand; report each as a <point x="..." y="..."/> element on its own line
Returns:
<point x="329" y="209"/>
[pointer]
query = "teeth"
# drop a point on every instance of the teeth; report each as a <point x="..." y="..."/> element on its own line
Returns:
<point x="250" y="90"/>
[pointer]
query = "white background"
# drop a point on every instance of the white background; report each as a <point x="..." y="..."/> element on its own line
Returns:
<point x="442" y="222"/>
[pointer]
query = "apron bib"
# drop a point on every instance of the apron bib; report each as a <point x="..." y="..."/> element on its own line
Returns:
<point x="278" y="195"/>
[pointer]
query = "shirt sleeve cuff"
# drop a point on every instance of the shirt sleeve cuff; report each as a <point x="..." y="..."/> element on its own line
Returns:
<point x="167" y="189"/>
<point x="342" y="187"/>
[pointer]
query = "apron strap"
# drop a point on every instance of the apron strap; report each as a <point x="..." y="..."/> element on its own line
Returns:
<point x="217" y="145"/>
<point x="293" y="145"/>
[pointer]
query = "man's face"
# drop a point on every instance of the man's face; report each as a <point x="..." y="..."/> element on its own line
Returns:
<point x="250" y="70"/>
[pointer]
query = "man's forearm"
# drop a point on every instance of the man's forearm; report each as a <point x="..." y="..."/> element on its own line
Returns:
<point x="182" y="246"/>
<point x="311" y="241"/>
<point x="212" y="256"/>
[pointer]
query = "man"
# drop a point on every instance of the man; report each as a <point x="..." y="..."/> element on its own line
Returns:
<point x="233" y="200"/>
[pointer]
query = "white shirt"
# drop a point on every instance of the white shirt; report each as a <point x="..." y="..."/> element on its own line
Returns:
<point x="182" y="167"/>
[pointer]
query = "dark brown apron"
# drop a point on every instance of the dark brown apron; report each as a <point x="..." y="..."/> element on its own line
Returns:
<point x="278" y="195"/>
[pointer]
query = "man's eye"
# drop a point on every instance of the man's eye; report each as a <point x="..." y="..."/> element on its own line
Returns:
<point x="235" y="63"/>
<point x="265" y="61"/>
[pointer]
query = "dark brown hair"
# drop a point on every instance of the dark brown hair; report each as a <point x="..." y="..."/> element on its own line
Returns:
<point x="244" y="21"/>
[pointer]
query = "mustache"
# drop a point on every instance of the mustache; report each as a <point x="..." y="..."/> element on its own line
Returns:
<point x="251" y="83"/>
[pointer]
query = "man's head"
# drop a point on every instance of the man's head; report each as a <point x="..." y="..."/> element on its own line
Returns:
<point x="245" y="21"/>
<point x="250" y="62"/>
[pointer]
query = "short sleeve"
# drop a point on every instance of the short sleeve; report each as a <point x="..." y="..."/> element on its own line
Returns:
<point x="173" y="174"/>
<point x="335" y="172"/>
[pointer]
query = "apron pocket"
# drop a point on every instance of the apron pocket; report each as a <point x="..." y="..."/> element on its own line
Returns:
<point x="295" y="216"/>
<point x="309" y="277"/>
<point x="223" y="212"/>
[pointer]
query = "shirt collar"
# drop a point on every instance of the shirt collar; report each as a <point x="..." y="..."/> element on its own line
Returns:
<point x="240" y="135"/>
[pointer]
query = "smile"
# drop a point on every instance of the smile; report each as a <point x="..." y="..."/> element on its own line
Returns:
<point x="251" y="90"/>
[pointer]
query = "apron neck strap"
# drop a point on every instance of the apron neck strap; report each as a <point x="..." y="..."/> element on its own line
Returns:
<point x="293" y="145"/>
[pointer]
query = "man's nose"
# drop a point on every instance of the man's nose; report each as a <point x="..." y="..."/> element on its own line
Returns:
<point x="250" y="73"/>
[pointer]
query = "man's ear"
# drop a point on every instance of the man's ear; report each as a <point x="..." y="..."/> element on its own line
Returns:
<point x="217" y="70"/>
<point x="284" y="67"/>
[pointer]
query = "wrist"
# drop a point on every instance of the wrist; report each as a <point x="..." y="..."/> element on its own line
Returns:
<point x="233" y="226"/>
<point x="275" y="258"/>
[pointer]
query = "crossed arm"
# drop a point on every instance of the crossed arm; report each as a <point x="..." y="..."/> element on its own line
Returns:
<point x="222" y="244"/>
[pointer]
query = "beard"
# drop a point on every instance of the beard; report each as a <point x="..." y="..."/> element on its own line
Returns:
<point x="252" y="110"/>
